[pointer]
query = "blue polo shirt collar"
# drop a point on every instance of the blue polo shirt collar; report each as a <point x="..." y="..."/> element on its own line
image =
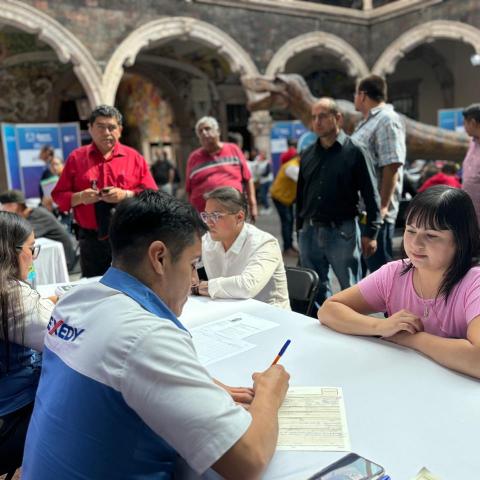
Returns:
<point x="144" y="296"/>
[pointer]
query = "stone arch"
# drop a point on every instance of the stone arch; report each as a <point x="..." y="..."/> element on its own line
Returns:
<point x="168" y="29"/>
<point x="427" y="32"/>
<point x="64" y="43"/>
<point x="327" y="42"/>
<point x="183" y="128"/>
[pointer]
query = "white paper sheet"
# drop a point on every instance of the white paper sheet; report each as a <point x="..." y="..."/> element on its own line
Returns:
<point x="212" y="347"/>
<point x="313" y="418"/>
<point x="224" y="338"/>
<point x="239" y="326"/>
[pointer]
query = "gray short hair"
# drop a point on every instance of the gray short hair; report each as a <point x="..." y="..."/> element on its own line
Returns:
<point x="230" y="198"/>
<point x="210" y="121"/>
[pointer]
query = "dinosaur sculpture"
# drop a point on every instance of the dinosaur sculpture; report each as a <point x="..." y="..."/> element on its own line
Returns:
<point x="290" y="92"/>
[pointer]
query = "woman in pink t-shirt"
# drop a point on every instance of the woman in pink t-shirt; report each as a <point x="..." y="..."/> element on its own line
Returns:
<point x="432" y="298"/>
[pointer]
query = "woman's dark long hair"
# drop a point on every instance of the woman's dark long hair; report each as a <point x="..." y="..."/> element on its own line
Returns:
<point x="447" y="208"/>
<point x="14" y="232"/>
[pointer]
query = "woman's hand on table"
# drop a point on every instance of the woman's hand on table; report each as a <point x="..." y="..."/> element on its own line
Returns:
<point x="401" y="321"/>
<point x="200" y="289"/>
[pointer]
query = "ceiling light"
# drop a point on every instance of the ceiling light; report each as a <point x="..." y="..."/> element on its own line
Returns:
<point x="475" y="59"/>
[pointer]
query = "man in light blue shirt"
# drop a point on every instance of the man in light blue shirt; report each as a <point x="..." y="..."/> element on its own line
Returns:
<point x="382" y="133"/>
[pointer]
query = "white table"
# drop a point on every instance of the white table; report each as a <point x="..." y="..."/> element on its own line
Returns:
<point x="48" y="290"/>
<point x="403" y="410"/>
<point x="50" y="266"/>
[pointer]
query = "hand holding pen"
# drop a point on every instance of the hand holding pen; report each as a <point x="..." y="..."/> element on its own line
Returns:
<point x="274" y="380"/>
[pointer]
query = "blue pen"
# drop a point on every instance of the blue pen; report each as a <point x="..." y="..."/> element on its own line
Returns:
<point x="281" y="352"/>
<point x="385" y="477"/>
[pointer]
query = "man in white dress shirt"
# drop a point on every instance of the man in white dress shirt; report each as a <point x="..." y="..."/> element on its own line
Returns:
<point x="240" y="260"/>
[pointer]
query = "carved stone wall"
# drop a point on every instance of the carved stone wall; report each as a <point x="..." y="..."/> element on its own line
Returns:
<point x="101" y="38"/>
<point x="83" y="30"/>
<point x="27" y="91"/>
<point x="64" y="43"/>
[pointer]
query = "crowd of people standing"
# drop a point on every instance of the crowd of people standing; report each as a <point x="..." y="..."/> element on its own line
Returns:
<point x="117" y="346"/>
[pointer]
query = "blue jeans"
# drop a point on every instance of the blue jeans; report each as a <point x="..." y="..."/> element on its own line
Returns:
<point x="264" y="188"/>
<point x="384" y="253"/>
<point x="286" y="219"/>
<point x="336" y="246"/>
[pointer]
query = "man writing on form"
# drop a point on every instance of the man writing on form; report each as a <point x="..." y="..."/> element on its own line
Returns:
<point x="124" y="396"/>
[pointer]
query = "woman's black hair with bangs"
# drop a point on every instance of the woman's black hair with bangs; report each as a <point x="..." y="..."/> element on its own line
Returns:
<point x="447" y="208"/>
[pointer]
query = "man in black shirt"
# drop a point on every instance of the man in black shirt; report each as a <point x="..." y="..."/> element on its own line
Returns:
<point x="332" y="173"/>
<point x="162" y="171"/>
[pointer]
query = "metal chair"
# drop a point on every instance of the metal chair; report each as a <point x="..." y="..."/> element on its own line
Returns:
<point x="302" y="288"/>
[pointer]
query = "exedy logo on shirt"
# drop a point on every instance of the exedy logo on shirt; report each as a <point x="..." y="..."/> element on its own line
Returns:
<point x="62" y="330"/>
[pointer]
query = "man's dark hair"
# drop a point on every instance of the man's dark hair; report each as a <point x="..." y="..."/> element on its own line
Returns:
<point x="151" y="216"/>
<point x="292" y="142"/>
<point x="12" y="196"/>
<point x="374" y="87"/>
<point x="472" y="112"/>
<point x="105" y="111"/>
<point x="49" y="150"/>
<point x="449" y="168"/>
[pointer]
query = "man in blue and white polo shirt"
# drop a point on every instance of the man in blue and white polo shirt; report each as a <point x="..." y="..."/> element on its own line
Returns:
<point x="122" y="393"/>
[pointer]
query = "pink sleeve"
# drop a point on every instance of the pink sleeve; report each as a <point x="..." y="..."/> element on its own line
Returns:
<point x="376" y="288"/>
<point x="472" y="297"/>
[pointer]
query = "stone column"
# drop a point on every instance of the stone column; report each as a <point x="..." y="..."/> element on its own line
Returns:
<point x="367" y="5"/>
<point x="260" y="126"/>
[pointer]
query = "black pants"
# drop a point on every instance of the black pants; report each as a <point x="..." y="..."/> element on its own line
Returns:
<point x="286" y="219"/>
<point x="13" y="430"/>
<point x="95" y="254"/>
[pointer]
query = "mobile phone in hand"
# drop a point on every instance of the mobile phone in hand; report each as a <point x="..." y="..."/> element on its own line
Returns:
<point x="106" y="190"/>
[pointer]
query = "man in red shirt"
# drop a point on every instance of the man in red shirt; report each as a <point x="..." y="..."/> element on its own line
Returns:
<point x="217" y="164"/>
<point x="96" y="177"/>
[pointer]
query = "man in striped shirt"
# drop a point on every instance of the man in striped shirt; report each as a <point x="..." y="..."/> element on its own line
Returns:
<point x="382" y="133"/>
<point x="217" y="164"/>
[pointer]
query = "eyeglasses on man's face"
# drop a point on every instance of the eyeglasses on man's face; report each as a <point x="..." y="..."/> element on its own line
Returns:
<point x="213" y="217"/>
<point x="35" y="249"/>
